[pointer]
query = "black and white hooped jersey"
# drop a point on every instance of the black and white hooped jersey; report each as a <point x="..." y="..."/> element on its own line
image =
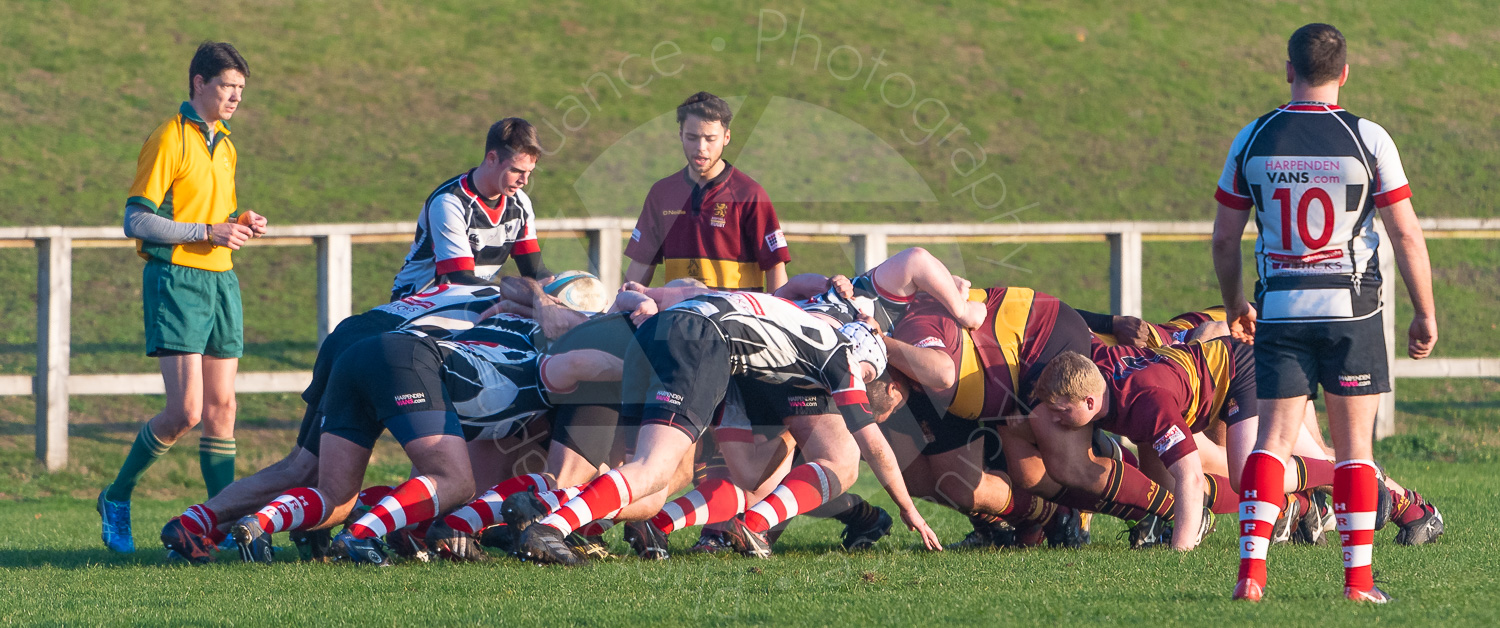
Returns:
<point x="458" y="230"/>
<point x="492" y="373"/>
<point x="1315" y="174"/>
<point x="886" y="309"/>
<point x="772" y="340"/>
<point x="442" y="310"/>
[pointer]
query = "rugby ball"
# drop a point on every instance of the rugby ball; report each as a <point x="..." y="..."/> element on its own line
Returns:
<point x="578" y="290"/>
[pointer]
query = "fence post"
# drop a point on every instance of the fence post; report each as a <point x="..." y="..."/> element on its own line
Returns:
<point x="54" y="300"/>
<point x="1385" y="415"/>
<point x="1125" y="273"/>
<point x="604" y="257"/>
<point x="870" y="249"/>
<point x="335" y="281"/>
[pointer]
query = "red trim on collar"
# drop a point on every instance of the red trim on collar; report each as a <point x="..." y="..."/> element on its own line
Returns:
<point x="469" y="189"/>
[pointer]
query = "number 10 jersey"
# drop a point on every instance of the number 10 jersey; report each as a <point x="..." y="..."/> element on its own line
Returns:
<point x="1315" y="175"/>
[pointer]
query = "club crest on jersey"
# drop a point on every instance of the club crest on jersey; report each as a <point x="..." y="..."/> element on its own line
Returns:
<point x="1233" y="410"/>
<point x="776" y="240"/>
<point x="411" y="399"/>
<point x="1169" y="440"/>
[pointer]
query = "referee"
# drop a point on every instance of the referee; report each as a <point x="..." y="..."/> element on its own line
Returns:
<point x="182" y="213"/>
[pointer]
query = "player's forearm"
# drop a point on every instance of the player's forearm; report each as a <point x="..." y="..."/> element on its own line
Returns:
<point x="929" y="367"/>
<point x="640" y="273"/>
<point x="142" y="224"/>
<point x="1411" y="256"/>
<point x="1187" y="511"/>
<point x="801" y="286"/>
<point x="877" y="453"/>
<point x="1229" y="226"/>
<point x="530" y="265"/>
<point x="776" y="277"/>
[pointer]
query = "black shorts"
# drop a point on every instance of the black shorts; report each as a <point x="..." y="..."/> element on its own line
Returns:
<point x="1346" y="358"/>
<point x="753" y="406"/>
<point x="390" y="381"/>
<point x="676" y="372"/>
<point x="345" y="335"/>
<point x="610" y="333"/>
<point x="1242" y="400"/>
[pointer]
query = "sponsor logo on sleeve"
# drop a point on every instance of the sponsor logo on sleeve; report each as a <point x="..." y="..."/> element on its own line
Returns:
<point x="930" y="342"/>
<point x="1169" y="440"/>
<point x="776" y="240"/>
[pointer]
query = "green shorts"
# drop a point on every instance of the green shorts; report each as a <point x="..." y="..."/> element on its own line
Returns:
<point x="191" y="310"/>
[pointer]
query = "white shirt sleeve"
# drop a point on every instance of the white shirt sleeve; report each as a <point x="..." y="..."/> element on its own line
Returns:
<point x="1232" y="192"/>
<point x="449" y="225"/>
<point x="1391" y="185"/>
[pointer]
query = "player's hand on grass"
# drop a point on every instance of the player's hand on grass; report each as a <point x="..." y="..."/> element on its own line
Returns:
<point x="1421" y="337"/>
<point x="843" y="285"/>
<point x="1241" y="319"/>
<point x="256" y="223"/>
<point x="1132" y="332"/>
<point x="916" y="523"/>
<point x="229" y="234"/>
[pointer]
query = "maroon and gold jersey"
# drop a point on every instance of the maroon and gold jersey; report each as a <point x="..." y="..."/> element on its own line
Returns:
<point x="1162" y="396"/>
<point x="992" y="361"/>
<point x="723" y="233"/>
<point x="1230" y="380"/>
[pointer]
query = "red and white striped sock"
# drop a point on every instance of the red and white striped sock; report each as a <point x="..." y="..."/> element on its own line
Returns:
<point x="485" y="511"/>
<point x="372" y="495"/>
<point x="1261" y="498"/>
<point x="555" y="499"/>
<point x="715" y="500"/>
<point x="599" y="499"/>
<point x="598" y="527"/>
<point x="1354" y="503"/>
<point x="296" y="509"/>
<point x="414" y="501"/>
<point x="199" y="520"/>
<point x="805" y="487"/>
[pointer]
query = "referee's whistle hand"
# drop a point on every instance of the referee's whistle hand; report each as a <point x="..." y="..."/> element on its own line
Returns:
<point x="256" y="223"/>
<point x="1421" y="337"/>
<point x="229" y="234"/>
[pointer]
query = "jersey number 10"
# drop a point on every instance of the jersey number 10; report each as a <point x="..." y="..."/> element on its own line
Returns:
<point x="1304" y="205"/>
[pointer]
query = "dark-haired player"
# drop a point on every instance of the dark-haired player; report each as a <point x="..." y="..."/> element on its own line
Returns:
<point x="475" y="221"/>
<point x="183" y="213"/>
<point x="710" y="221"/>
<point x="1316" y="175"/>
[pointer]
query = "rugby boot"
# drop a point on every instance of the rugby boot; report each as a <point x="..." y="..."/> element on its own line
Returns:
<point x="1372" y="595"/>
<point x="371" y="551"/>
<point x="499" y="537"/>
<point x="254" y="544"/>
<point x="454" y="546"/>
<point x="863" y="537"/>
<point x="312" y="545"/>
<point x="647" y="540"/>
<point x="114" y="518"/>
<point x="406" y="544"/>
<point x="1312" y="525"/>
<point x="547" y="545"/>
<point x="591" y="547"/>
<point x="1424" y="530"/>
<point x="1384" y="504"/>
<point x="710" y="541"/>
<point x="1249" y="589"/>
<point x="186" y="545"/>
<point x="746" y="541"/>
<point x="1286" y="522"/>
<point x="521" y="510"/>
<point x="1065" y="529"/>
<point x="1147" y="532"/>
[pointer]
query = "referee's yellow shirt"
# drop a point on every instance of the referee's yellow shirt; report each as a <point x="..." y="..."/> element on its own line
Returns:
<point x="183" y="176"/>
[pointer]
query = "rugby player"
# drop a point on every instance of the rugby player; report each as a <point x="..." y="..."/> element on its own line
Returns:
<point x="677" y="374"/>
<point x="1317" y="175"/>
<point x="890" y="287"/>
<point x="473" y="222"/>
<point x="710" y="221"/>
<point x="433" y="395"/>
<point x="438" y="312"/>
<point x="184" y="215"/>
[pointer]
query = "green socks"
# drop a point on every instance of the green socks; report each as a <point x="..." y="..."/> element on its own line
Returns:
<point x="143" y="453"/>
<point x="216" y="458"/>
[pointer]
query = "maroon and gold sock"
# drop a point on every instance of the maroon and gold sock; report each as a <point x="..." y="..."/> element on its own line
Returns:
<point x="1221" y="499"/>
<point x="1312" y="472"/>
<point x="1130" y="495"/>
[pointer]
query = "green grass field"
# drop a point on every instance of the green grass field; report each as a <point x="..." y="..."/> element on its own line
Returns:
<point x="1075" y="110"/>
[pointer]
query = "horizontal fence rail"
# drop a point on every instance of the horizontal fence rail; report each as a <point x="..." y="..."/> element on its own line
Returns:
<point x="871" y="243"/>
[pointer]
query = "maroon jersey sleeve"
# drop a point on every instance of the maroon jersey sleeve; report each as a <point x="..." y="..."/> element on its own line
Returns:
<point x="646" y="239"/>
<point x="927" y="325"/>
<point x="762" y="232"/>
<point x="1155" y="419"/>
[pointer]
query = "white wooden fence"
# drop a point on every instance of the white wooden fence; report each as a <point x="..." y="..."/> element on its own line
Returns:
<point x="871" y="242"/>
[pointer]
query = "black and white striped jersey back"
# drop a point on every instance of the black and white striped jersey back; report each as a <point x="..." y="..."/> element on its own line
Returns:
<point x="887" y="310"/>
<point x="1316" y="175"/>
<point x="442" y="310"/>
<point x="772" y="340"/>
<point x="491" y="373"/>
